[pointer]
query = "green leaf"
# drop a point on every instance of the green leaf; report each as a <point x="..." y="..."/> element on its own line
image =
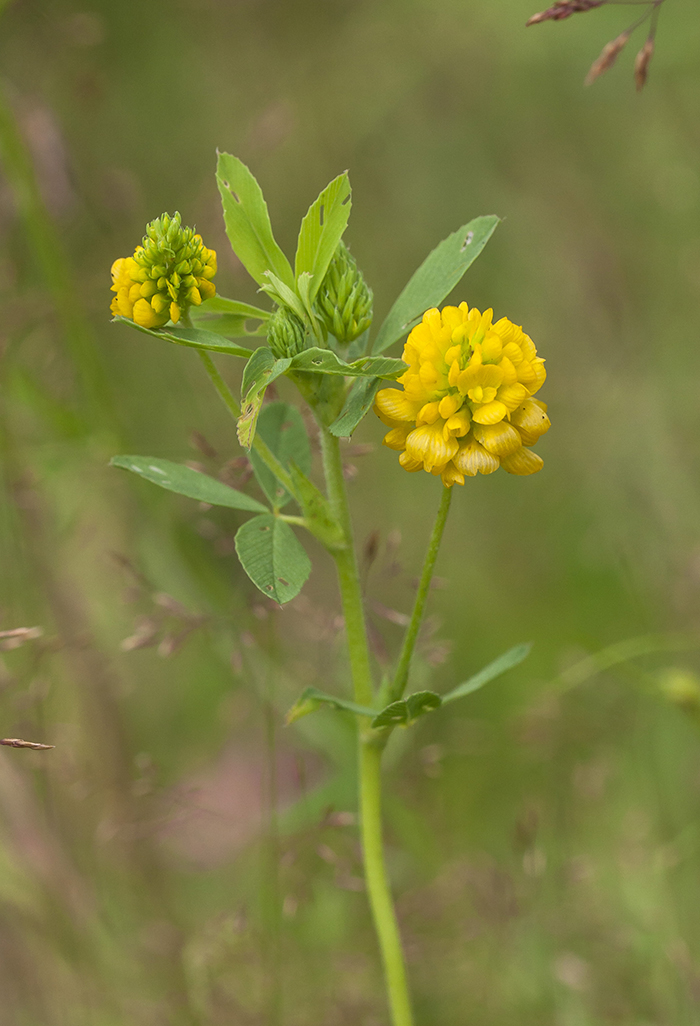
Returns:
<point x="229" y="317"/>
<point x="262" y="368"/>
<point x="185" y="481"/>
<point x="221" y="305"/>
<point x="322" y="230"/>
<point x="407" y="710"/>
<point x="273" y="557"/>
<point x="283" y="295"/>
<point x="312" y="699"/>
<point x="435" y="278"/>
<point x="317" y="511"/>
<point x="504" y="662"/>
<point x="357" y="403"/>
<point x="325" y="361"/>
<point x="281" y="426"/>
<point x="248" y="222"/>
<point x="195" y="338"/>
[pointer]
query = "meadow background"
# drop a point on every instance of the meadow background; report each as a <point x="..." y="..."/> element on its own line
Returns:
<point x="544" y="839"/>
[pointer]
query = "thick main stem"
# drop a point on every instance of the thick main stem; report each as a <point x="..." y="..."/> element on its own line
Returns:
<point x="401" y="678"/>
<point x="369" y="746"/>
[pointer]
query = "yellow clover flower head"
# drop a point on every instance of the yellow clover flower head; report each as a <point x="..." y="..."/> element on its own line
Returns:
<point x="466" y="405"/>
<point x="169" y="272"/>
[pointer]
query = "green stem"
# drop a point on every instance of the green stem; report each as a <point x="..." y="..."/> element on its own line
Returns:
<point x="370" y="747"/>
<point x="401" y="678"/>
<point x="348" y="574"/>
<point x="378" y="888"/>
<point x="229" y="401"/>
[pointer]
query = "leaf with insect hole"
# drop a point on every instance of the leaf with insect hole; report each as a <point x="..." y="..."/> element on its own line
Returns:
<point x="435" y="278"/>
<point x="321" y="231"/>
<point x="248" y="222"/>
<point x="273" y="557"/>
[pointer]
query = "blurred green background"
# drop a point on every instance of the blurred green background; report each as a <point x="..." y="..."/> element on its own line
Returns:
<point x="544" y="840"/>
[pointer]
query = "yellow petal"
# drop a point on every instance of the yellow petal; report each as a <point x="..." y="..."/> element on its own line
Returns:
<point x="428" y="414"/>
<point x="174" y="313"/>
<point x="540" y="375"/>
<point x="449" y="405"/>
<point x="491" y="413"/>
<point x="409" y="464"/>
<point x="501" y="439"/>
<point x="458" y="424"/>
<point x="427" y="444"/>
<point x="145" y="315"/>
<point x="513" y="395"/>
<point x="510" y="375"/>
<point x="134" y="292"/>
<point x="526" y="373"/>
<point x="531" y="420"/>
<point x="473" y="459"/>
<point x="491" y="348"/>
<point x="391" y="404"/>
<point x="451" y="475"/>
<point x="396" y="438"/>
<point x="522" y="462"/>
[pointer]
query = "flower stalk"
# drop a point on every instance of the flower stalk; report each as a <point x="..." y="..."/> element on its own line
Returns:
<point x="409" y="643"/>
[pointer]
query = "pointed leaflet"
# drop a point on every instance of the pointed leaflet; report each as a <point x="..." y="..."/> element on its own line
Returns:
<point x="325" y="361"/>
<point x="222" y="305"/>
<point x="407" y="710"/>
<point x="185" y="481"/>
<point x="230" y="318"/>
<point x="357" y="403"/>
<point x="311" y="699"/>
<point x="261" y="369"/>
<point x="283" y="295"/>
<point x="248" y="222"/>
<point x="281" y="427"/>
<point x="504" y="662"/>
<point x="272" y="556"/>
<point x="435" y="278"/>
<point x="322" y="230"/>
<point x="195" y="338"/>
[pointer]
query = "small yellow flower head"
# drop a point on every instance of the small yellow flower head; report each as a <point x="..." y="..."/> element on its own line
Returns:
<point x="169" y="272"/>
<point x="466" y="406"/>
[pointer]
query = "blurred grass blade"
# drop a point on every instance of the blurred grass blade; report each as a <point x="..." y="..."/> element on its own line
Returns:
<point x="435" y="278"/>
<point x="248" y="222"/>
<point x="504" y="662"/>
<point x="185" y="481"/>
<point x="622" y="652"/>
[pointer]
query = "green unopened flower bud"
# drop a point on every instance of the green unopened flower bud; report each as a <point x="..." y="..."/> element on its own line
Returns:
<point x="156" y="284"/>
<point x="345" y="301"/>
<point x="286" y="333"/>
